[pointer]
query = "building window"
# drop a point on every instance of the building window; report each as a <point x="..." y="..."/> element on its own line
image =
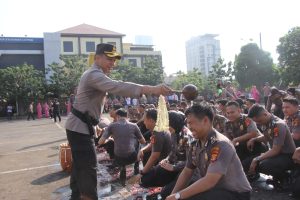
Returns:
<point x="68" y="46"/>
<point x="90" y="46"/>
<point x="132" y="62"/>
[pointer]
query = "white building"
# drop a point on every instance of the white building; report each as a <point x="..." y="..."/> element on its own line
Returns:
<point x="136" y="54"/>
<point x="77" y="40"/>
<point x="202" y="52"/>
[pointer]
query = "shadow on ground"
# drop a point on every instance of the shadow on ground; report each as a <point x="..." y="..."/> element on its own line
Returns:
<point x="49" y="178"/>
<point x="42" y="144"/>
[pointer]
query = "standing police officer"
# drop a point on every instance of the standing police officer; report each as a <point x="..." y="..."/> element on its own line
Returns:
<point x="93" y="87"/>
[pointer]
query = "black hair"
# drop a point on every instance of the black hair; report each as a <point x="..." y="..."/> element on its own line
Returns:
<point x="240" y="102"/>
<point x="183" y="103"/>
<point x="177" y="122"/>
<point x="274" y="91"/>
<point x="233" y="103"/>
<point x="292" y="91"/>
<point x="291" y="100"/>
<point x="117" y="107"/>
<point x="142" y="106"/>
<point x="212" y="102"/>
<point x="256" y="110"/>
<point x="173" y="105"/>
<point x="151" y="113"/>
<point x="223" y="102"/>
<point x="121" y="112"/>
<point x="200" y="111"/>
<point x="251" y="100"/>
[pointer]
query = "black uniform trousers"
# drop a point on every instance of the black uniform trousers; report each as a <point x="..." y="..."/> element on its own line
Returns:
<point x="30" y="114"/>
<point x="214" y="193"/>
<point x="109" y="147"/>
<point x="56" y="114"/>
<point x="158" y="177"/>
<point x="246" y="156"/>
<point x="296" y="181"/>
<point x="276" y="166"/>
<point x="83" y="179"/>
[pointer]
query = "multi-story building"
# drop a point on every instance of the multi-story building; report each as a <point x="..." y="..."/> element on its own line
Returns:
<point x="77" y="40"/>
<point x="137" y="54"/>
<point x="19" y="50"/>
<point x="202" y="52"/>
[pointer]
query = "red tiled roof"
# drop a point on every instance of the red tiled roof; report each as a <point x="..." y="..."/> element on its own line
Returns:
<point x="85" y="29"/>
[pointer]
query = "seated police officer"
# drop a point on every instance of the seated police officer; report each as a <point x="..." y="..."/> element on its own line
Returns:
<point x="240" y="129"/>
<point x="169" y="168"/>
<point x="222" y="175"/>
<point x="279" y="158"/>
<point x="159" y="146"/>
<point x="126" y="136"/>
<point x="291" y="112"/>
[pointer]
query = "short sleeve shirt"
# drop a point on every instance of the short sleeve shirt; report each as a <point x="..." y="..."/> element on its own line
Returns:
<point x="125" y="135"/>
<point x="277" y="133"/>
<point x="218" y="155"/>
<point x="241" y="127"/>
<point x="293" y="123"/>
<point x="161" y="142"/>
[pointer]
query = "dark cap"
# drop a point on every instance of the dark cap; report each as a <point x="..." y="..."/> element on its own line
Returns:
<point x="108" y="50"/>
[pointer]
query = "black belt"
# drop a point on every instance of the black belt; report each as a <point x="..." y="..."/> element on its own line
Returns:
<point x="86" y="118"/>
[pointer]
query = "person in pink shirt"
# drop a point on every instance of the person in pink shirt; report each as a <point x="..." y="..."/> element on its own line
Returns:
<point x="255" y="94"/>
<point x="69" y="106"/>
<point x="46" y="109"/>
<point x="39" y="110"/>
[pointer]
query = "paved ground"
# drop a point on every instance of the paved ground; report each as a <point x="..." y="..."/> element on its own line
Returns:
<point x="30" y="170"/>
<point x="29" y="159"/>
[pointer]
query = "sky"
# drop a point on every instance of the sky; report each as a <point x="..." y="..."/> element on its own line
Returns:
<point x="170" y="22"/>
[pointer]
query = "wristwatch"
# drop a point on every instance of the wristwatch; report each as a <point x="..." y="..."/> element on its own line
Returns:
<point x="177" y="195"/>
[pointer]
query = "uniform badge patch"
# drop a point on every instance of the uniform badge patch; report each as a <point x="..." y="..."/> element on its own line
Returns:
<point x="247" y="122"/>
<point x="215" y="151"/>
<point x="152" y="139"/>
<point x="276" y="132"/>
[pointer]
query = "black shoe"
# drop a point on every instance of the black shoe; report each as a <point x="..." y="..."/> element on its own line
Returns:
<point x="253" y="177"/>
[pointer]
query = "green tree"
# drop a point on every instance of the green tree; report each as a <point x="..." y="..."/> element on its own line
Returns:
<point x="220" y="72"/>
<point x="65" y="77"/>
<point x="253" y="66"/>
<point x="150" y="74"/>
<point x="192" y="77"/>
<point x="21" y="84"/>
<point x="289" y="56"/>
